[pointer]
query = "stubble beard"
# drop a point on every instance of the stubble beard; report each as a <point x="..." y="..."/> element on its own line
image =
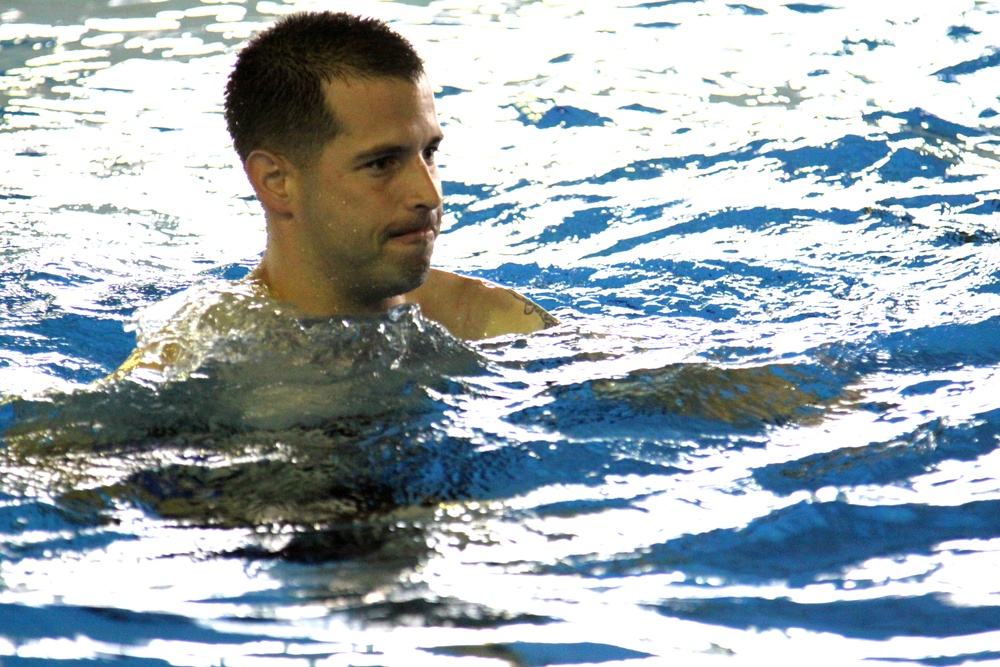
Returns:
<point x="409" y="275"/>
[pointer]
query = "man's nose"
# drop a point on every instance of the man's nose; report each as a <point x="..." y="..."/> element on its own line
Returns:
<point x="424" y="184"/>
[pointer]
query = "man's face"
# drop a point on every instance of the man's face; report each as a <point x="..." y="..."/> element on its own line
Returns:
<point x="370" y="206"/>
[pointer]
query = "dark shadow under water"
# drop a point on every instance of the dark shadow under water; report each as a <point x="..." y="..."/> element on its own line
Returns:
<point x="347" y="457"/>
<point x="341" y="433"/>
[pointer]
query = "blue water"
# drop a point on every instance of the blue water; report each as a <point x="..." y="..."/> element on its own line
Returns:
<point x="766" y="429"/>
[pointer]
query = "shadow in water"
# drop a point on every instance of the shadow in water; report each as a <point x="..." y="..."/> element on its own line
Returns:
<point x="880" y="619"/>
<point x="897" y="460"/>
<point x="691" y="399"/>
<point x="825" y="538"/>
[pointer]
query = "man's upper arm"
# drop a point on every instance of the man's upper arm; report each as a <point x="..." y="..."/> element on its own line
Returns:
<point x="141" y="359"/>
<point x="514" y="313"/>
<point x="474" y="309"/>
<point x="134" y="361"/>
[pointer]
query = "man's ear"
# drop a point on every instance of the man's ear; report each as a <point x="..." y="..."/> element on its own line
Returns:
<point x="272" y="178"/>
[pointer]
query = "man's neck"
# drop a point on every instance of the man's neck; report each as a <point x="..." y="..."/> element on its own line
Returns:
<point x="313" y="295"/>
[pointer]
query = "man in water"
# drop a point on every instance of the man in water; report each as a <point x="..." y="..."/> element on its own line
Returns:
<point x="333" y="118"/>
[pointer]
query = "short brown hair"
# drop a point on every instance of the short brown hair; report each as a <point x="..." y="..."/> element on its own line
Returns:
<point x="275" y="97"/>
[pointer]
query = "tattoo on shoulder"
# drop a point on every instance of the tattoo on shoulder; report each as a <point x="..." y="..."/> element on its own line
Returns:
<point x="532" y="307"/>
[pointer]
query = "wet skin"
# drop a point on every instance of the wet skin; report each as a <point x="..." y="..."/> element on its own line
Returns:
<point x="354" y="231"/>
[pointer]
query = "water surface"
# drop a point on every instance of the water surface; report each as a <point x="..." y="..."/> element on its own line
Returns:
<point x="766" y="430"/>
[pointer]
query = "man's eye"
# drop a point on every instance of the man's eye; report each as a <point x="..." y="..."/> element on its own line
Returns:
<point x="381" y="164"/>
<point x="429" y="153"/>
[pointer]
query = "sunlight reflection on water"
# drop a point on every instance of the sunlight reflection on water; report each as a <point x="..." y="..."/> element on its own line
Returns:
<point x="768" y="426"/>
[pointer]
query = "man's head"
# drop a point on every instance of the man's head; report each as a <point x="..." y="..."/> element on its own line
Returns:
<point x="275" y="97"/>
<point x="334" y="120"/>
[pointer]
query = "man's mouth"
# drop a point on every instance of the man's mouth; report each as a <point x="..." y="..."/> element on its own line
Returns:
<point x="412" y="232"/>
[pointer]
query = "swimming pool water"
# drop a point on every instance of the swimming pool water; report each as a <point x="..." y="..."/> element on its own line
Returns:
<point x="766" y="429"/>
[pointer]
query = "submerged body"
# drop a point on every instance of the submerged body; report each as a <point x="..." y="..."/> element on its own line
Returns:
<point x="466" y="308"/>
<point x="343" y="165"/>
<point x="334" y="121"/>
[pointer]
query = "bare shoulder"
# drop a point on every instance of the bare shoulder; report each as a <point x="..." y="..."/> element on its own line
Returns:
<point x="475" y="309"/>
<point x="155" y="359"/>
<point x="170" y="332"/>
